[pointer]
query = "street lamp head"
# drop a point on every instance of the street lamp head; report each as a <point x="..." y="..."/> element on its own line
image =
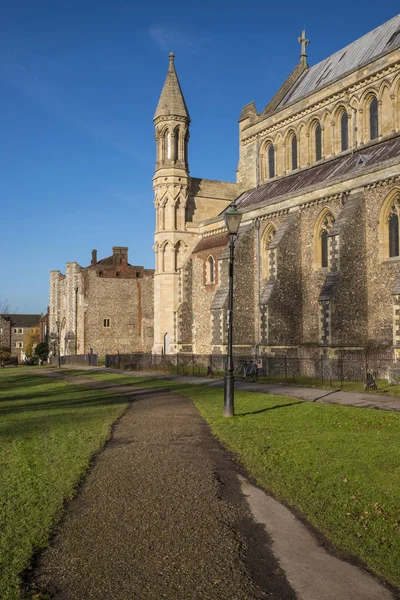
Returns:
<point x="232" y="218"/>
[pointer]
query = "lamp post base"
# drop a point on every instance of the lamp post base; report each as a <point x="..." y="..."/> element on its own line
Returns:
<point x="229" y="408"/>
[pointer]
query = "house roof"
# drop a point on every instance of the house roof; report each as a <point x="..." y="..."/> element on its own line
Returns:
<point x="23" y="320"/>
<point x="384" y="38"/>
<point x="109" y="262"/>
<point x="349" y="165"/>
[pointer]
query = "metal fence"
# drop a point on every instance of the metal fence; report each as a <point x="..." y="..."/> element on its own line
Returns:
<point x="334" y="372"/>
<point x="87" y="360"/>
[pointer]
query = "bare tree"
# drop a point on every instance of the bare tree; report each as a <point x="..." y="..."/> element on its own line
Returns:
<point x="4" y="306"/>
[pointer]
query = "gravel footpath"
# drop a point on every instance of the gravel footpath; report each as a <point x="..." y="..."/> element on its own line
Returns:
<point x="160" y="515"/>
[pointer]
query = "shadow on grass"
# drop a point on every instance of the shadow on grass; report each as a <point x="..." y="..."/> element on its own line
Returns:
<point x="325" y="395"/>
<point x="63" y="398"/>
<point x="263" y="410"/>
<point x="20" y="381"/>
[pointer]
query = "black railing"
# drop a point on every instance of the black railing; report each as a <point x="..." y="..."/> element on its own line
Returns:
<point x="88" y="360"/>
<point x="329" y="372"/>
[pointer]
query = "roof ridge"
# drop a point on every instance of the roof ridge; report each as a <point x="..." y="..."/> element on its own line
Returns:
<point x="382" y="39"/>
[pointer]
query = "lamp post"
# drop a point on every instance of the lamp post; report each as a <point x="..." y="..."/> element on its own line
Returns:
<point x="56" y="336"/>
<point x="232" y="220"/>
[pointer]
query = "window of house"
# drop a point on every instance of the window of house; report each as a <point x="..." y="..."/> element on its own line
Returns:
<point x="318" y="142"/>
<point x="18" y="345"/>
<point x="294" y="152"/>
<point x="344" y="131"/>
<point x="373" y="118"/>
<point x="15" y="330"/>
<point x="106" y="322"/>
<point x="271" y="162"/>
<point x="210" y="270"/>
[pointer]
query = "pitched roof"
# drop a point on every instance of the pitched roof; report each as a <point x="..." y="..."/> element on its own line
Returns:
<point x="171" y="102"/>
<point x="326" y="173"/>
<point x="23" y="320"/>
<point x="384" y="38"/>
<point x="212" y="241"/>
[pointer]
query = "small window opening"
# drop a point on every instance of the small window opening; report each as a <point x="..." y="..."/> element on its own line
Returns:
<point x="271" y="162"/>
<point x="294" y="152"/>
<point x="394" y="235"/>
<point x="318" y="142"/>
<point x="373" y="119"/>
<point x="324" y="248"/>
<point x="106" y="322"/>
<point x="210" y="270"/>
<point x="344" y="126"/>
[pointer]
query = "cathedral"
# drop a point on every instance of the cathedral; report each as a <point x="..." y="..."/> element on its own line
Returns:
<point x="317" y="258"/>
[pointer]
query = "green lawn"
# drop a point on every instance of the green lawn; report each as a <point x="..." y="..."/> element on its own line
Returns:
<point x="339" y="466"/>
<point x="49" y="430"/>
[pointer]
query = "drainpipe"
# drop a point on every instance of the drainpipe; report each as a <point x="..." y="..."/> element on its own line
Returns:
<point x="76" y="321"/>
<point x="257" y="163"/>
<point x="257" y="225"/>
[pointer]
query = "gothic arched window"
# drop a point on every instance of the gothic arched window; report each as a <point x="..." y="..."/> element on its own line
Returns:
<point x="268" y="256"/>
<point x="324" y="248"/>
<point x="294" y="152"/>
<point x="389" y="226"/>
<point x="168" y="145"/>
<point x="271" y="162"/>
<point x="321" y="239"/>
<point x="344" y="131"/>
<point x="373" y="119"/>
<point x="318" y="142"/>
<point x="326" y="225"/>
<point x="394" y="232"/>
<point x="210" y="270"/>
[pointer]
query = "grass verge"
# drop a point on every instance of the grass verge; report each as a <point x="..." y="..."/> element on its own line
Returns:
<point x="339" y="466"/>
<point x="49" y="431"/>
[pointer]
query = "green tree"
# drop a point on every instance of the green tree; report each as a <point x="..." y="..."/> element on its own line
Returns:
<point x="5" y="354"/>
<point x="42" y="350"/>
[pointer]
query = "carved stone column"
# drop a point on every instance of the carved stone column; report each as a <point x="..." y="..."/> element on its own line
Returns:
<point x="333" y="138"/>
<point x="361" y="128"/>
<point x="394" y="119"/>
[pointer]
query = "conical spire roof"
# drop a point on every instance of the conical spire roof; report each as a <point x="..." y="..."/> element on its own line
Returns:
<point x="171" y="102"/>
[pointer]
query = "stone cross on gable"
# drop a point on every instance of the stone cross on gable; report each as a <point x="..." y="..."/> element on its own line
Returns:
<point x="303" y="41"/>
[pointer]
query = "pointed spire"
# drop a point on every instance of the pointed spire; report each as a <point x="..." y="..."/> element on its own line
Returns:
<point x="303" y="41"/>
<point x="171" y="102"/>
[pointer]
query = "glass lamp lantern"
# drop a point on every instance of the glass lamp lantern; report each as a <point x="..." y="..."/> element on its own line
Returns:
<point x="232" y="218"/>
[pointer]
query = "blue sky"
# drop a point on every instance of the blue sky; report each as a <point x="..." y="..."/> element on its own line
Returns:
<point x="79" y="84"/>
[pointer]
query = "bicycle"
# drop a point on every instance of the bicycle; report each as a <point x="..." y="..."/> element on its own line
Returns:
<point x="247" y="370"/>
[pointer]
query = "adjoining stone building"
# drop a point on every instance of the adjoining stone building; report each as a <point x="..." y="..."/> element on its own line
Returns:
<point x="318" y="182"/>
<point x="106" y="307"/>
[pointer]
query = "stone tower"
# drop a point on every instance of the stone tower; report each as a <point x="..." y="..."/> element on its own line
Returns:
<point x="171" y="187"/>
